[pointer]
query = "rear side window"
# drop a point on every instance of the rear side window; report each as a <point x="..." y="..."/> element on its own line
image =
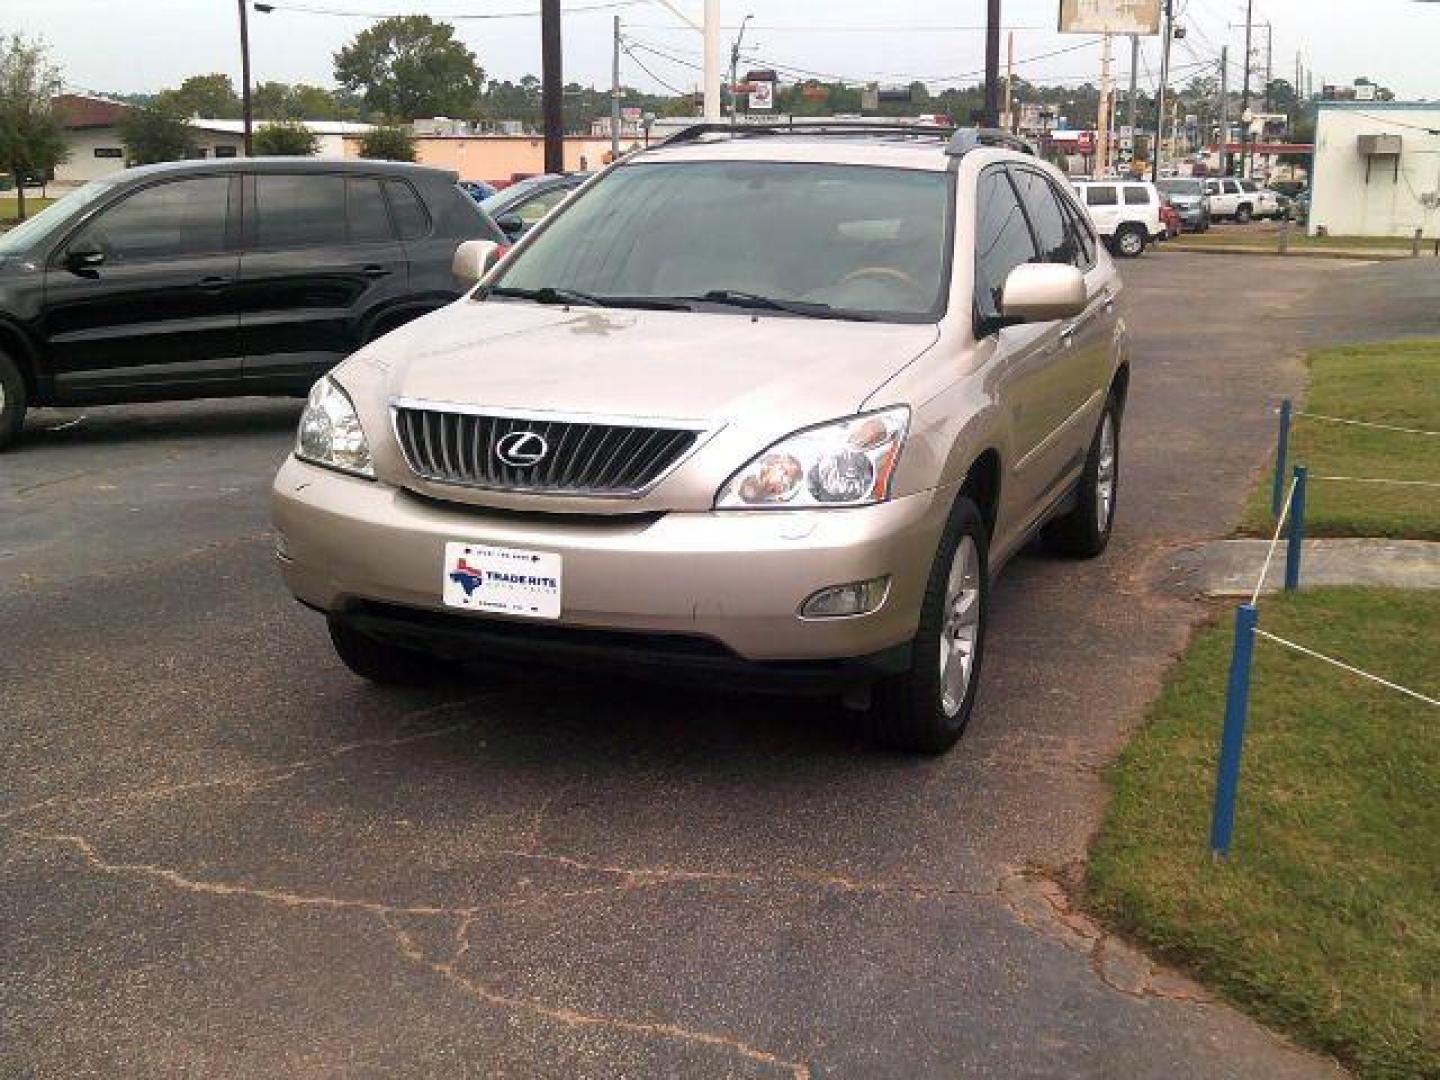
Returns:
<point x="1002" y="240"/>
<point x="299" y="211"/>
<point x="1137" y="196"/>
<point x="171" y="220"/>
<point x="1052" y="232"/>
<point x="1101" y="196"/>
<point x="1232" y="187"/>
<point x="411" y="219"/>
<point x="1249" y="187"/>
<point x="369" y="220"/>
<point x="1083" y="236"/>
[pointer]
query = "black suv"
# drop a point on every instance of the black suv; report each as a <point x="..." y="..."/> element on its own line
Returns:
<point x="220" y="278"/>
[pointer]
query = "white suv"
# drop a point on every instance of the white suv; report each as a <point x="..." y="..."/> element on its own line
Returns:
<point x="1241" y="200"/>
<point x="1126" y="213"/>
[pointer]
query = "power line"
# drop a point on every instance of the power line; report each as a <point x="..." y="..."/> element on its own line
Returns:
<point x="641" y="65"/>
<point x="577" y="9"/>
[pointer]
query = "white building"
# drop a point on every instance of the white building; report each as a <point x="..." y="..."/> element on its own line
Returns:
<point x="1377" y="169"/>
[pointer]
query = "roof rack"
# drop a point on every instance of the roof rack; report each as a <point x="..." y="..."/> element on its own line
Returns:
<point x="806" y="126"/>
<point x="968" y="139"/>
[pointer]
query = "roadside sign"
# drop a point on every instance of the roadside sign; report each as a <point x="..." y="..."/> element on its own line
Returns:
<point x="630" y="114"/>
<point x="1140" y="17"/>
<point x="762" y="95"/>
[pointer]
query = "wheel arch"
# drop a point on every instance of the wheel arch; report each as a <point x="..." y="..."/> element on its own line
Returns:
<point x="982" y="486"/>
<point x="15" y="344"/>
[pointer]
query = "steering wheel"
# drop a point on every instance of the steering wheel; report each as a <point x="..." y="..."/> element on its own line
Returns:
<point x="882" y="273"/>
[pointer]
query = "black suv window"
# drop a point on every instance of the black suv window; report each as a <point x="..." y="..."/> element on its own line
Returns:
<point x="1137" y="196"/>
<point x="410" y="217"/>
<point x="1101" y="196"/>
<point x="166" y="221"/>
<point x="1052" y="231"/>
<point x="1002" y="240"/>
<point x="299" y="210"/>
<point x="369" y="220"/>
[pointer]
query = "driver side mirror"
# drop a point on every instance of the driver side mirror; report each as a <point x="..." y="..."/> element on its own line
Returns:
<point x="79" y="260"/>
<point x="1043" y="292"/>
<point x="473" y="260"/>
<point x="512" y="225"/>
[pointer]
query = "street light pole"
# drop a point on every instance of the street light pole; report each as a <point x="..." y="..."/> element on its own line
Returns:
<point x="992" y="64"/>
<point x="1169" y="31"/>
<point x="735" y="65"/>
<point x="245" y="75"/>
<point x="552" y="86"/>
<point x="615" y="97"/>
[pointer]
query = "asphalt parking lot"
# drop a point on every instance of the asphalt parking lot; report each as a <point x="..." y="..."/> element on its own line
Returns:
<point x="223" y="855"/>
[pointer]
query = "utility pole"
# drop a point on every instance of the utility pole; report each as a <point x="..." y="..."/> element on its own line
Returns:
<point x="615" y="96"/>
<point x="1269" y="62"/>
<point x="1169" y="31"/>
<point x="552" y="86"/>
<point x="735" y="66"/>
<point x="1223" y="111"/>
<point x="1102" y="120"/>
<point x="712" y="60"/>
<point x="992" y="64"/>
<point x="245" y="76"/>
<point x="1010" y="85"/>
<point x="1133" y="106"/>
<point x="1249" y="24"/>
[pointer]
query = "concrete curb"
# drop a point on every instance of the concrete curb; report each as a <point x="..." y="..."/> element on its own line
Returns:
<point x="1230" y="568"/>
<point x="1349" y="255"/>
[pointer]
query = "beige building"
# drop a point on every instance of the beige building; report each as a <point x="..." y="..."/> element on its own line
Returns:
<point x="1376" y="169"/>
<point x="503" y="158"/>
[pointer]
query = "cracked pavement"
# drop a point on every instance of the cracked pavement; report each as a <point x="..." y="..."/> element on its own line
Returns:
<point x="222" y="855"/>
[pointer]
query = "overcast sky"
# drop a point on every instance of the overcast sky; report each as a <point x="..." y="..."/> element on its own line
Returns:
<point x="144" y="45"/>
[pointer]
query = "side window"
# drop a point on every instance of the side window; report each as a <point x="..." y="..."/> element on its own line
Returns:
<point x="1101" y="196"/>
<point x="299" y="210"/>
<point x="1083" y="236"/>
<point x="532" y="210"/>
<point x="1135" y="195"/>
<point x="1232" y="187"/>
<point x="170" y="220"/>
<point x="1052" y="232"/>
<point x="369" y="220"/>
<point x="411" y="220"/>
<point x="1002" y="240"/>
<point x="1249" y="187"/>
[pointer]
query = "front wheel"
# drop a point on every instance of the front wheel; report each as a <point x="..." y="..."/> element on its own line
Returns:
<point x="13" y="401"/>
<point x="1130" y="241"/>
<point x="1084" y="532"/>
<point x="926" y="709"/>
<point x="1244" y="215"/>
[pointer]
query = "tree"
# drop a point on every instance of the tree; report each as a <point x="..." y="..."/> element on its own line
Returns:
<point x="410" y="66"/>
<point x="282" y="101"/>
<point x="286" y="138"/>
<point x="154" y="133"/>
<point x="32" y="140"/>
<point x="210" y="96"/>
<point x="388" y="144"/>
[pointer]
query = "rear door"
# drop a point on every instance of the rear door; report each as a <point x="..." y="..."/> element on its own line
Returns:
<point x="1103" y="202"/>
<point x="152" y="310"/>
<point x="321" y="265"/>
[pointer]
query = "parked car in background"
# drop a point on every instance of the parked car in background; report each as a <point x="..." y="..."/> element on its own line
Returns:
<point x="1171" y="218"/>
<point x="1240" y="200"/>
<point x="478" y="190"/>
<point x="1190" y="201"/>
<point x="221" y="277"/>
<point x="519" y="207"/>
<point x="1126" y="213"/>
<point x="738" y="408"/>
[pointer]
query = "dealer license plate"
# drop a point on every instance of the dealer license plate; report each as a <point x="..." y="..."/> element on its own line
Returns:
<point x="503" y="581"/>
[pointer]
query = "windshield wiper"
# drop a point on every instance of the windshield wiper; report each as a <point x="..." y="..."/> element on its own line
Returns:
<point x="551" y="295"/>
<point x="809" y="309"/>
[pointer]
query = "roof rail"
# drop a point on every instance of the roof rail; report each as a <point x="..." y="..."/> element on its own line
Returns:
<point x="968" y="139"/>
<point x="805" y="126"/>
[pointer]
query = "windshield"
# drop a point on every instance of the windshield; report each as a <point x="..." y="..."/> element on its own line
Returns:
<point x="32" y="230"/>
<point x="497" y="201"/>
<point x="831" y="240"/>
<point x="1182" y="187"/>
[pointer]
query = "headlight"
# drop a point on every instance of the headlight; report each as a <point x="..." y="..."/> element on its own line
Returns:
<point x="844" y="463"/>
<point x="330" y="432"/>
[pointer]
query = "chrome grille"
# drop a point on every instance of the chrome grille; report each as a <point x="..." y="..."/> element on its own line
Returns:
<point x="583" y="456"/>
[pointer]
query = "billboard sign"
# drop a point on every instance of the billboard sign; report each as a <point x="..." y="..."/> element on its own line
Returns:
<point x="1140" y="17"/>
<point x="762" y="95"/>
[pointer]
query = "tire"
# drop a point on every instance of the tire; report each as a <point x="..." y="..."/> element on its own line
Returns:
<point x="14" y="399"/>
<point x="1244" y="215"/>
<point x="918" y="711"/>
<point x="1084" y="532"/>
<point x="1130" y="241"/>
<point x="380" y="661"/>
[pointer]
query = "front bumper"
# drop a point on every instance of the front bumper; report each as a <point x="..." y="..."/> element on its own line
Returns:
<point x="365" y="550"/>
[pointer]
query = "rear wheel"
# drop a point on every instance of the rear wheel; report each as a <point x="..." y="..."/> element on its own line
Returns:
<point x="13" y="401"/>
<point x="1130" y="241"/>
<point x="1244" y="214"/>
<point x="926" y="709"/>
<point x="1084" y="532"/>
<point x="380" y="661"/>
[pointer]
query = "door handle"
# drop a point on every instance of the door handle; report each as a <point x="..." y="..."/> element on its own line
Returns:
<point x="375" y="270"/>
<point x="213" y="283"/>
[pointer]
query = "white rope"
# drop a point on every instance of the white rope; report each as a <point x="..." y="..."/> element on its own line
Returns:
<point x="1373" y="480"/>
<point x="1346" y="667"/>
<point x="1364" y="424"/>
<point x="1274" y="542"/>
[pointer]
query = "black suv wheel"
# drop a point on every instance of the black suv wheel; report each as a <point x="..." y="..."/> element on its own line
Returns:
<point x="13" y="401"/>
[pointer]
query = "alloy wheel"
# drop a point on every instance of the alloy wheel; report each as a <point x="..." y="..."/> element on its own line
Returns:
<point x="960" y="630"/>
<point x="1105" y="474"/>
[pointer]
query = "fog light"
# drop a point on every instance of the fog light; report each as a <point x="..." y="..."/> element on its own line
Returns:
<point x="856" y="598"/>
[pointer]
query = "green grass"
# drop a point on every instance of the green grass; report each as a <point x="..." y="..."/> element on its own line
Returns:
<point x="10" y="207"/>
<point x="1397" y="384"/>
<point x="1325" y="922"/>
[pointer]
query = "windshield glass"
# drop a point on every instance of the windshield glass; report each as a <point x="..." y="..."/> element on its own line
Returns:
<point x="32" y="230"/>
<point x="838" y="240"/>
<point x="1182" y="187"/>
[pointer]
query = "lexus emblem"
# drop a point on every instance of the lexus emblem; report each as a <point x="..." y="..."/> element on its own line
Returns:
<point x="522" y="449"/>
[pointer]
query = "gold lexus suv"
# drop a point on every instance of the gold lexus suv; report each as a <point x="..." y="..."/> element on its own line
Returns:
<point x="769" y="403"/>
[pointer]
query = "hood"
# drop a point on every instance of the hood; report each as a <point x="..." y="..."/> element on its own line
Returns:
<point x="711" y="366"/>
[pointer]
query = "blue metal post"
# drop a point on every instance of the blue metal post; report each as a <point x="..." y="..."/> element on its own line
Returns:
<point x="1232" y="741"/>
<point x="1297" y="532"/>
<point x="1282" y="451"/>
